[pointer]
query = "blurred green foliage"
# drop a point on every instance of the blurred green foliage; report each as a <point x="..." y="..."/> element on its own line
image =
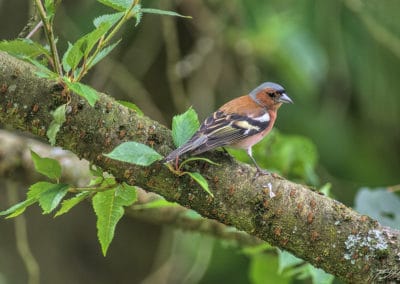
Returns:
<point x="339" y="61"/>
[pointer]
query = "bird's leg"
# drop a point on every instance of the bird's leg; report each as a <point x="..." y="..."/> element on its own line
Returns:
<point x="177" y="163"/>
<point x="260" y="171"/>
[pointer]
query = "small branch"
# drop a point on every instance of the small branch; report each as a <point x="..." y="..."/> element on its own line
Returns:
<point x="21" y="237"/>
<point x="321" y="230"/>
<point x="48" y="29"/>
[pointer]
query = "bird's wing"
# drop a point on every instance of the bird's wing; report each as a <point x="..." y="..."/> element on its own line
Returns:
<point x="223" y="129"/>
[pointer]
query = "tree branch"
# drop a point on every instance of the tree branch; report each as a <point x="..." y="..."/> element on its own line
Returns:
<point x="316" y="228"/>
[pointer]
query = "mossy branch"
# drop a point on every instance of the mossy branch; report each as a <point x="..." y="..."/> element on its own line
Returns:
<point x="314" y="227"/>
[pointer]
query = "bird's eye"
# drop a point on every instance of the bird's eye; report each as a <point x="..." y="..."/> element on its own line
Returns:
<point x="271" y="94"/>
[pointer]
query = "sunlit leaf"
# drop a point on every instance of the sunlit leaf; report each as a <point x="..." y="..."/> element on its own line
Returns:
<point x="108" y="206"/>
<point x="132" y="106"/>
<point x="184" y="126"/>
<point x="103" y="53"/>
<point x="163" y="12"/>
<point x="201" y="181"/>
<point x="50" y="199"/>
<point x="18" y="208"/>
<point x="56" y="123"/>
<point x="23" y="47"/>
<point x="46" y="166"/>
<point x="134" y="153"/>
<point x="83" y="90"/>
<point x="68" y="204"/>
<point x="108" y="18"/>
<point x="119" y="5"/>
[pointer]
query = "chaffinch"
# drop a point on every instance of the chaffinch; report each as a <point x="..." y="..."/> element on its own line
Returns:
<point x="240" y="123"/>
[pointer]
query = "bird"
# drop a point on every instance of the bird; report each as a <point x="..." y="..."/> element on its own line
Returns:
<point x="239" y="123"/>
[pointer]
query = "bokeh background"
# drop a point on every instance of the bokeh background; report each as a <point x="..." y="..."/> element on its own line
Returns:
<point x="338" y="60"/>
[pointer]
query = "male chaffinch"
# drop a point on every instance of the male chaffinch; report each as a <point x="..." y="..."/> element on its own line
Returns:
<point x="240" y="123"/>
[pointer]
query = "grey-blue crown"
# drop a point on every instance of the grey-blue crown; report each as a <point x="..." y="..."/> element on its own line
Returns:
<point x="265" y="85"/>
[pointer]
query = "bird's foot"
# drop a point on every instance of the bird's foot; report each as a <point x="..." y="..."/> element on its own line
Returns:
<point x="261" y="172"/>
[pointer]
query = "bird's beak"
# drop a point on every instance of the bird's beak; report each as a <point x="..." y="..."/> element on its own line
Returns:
<point x="285" y="99"/>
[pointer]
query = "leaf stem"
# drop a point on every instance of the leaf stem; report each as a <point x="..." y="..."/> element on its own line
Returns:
<point x="104" y="40"/>
<point x="48" y="30"/>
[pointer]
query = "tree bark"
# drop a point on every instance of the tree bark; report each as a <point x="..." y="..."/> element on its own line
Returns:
<point x="323" y="231"/>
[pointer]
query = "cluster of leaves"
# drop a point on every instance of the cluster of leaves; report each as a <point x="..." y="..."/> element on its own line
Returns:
<point x="183" y="128"/>
<point x="80" y="56"/>
<point x="280" y="266"/>
<point x="108" y="197"/>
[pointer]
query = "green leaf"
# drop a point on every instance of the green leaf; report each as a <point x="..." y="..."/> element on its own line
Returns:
<point x="83" y="46"/>
<point x="18" y="208"/>
<point x="163" y="12"/>
<point x="134" y="153"/>
<point x="184" y="126"/>
<point x="83" y="90"/>
<point x="132" y="106"/>
<point x="46" y="166"/>
<point x="108" y="18"/>
<point x="50" y="199"/>
<point x="43" y="71"/>
<point x="158" y="203"/>
<point x="66" y="58"/>
<point x="103" y="53"/>
<point x="127" y="194"/>
<point x="56" y="123"/>
<point x="68" y="204"/>
<point x="50" y="8"/>
<point x="201" y="181"/>
<point x="108" y="206"/>
<point x="23" y="47"/>
<point x="287" y="260"/>
<point x="36" y="189"/>
<point x="319" y="276"/>
<point x="379" y="204"/>
<point x="119" y="5"/>
<point x="263" y="267"/>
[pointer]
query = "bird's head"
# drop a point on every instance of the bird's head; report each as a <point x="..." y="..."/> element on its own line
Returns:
<point x="270" y="95"/>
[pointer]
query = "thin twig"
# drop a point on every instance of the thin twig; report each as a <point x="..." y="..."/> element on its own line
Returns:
<point x="35" y="29"/>
<point x="21" y="237"/>
<point x="48" y="29"/>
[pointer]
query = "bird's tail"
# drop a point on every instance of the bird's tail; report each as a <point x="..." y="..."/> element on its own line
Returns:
<point x="188" y="147"/>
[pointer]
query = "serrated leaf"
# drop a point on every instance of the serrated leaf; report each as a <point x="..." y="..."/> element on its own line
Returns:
<point x="50" y="8"/>
<point x="46" y="166"/>
<point x="126" y="193"/>
<point x="119" y="5"/>
<point x="18" y="208"/>
<point x="132" y="106"/>
<point x="134" y="153"/>
<point x="56" y="123"/>
<point x="50" y="199"/>
<point x="66" y="55"/>
<point x="103" y="53"/>
<point x="83" y="46"/>
<point x="184" y="126"/>
<point x="109" y="18"/>
<point x="68" y="204"/>
<point x="108" y="206"/>
<point x="36" y="189"/>
<point x="201" y="181"/>
<point x="23" y="47"/>
<point x="43" y="70"/>
<point x="163" y="12"/>
<point x="83" y="90"/>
